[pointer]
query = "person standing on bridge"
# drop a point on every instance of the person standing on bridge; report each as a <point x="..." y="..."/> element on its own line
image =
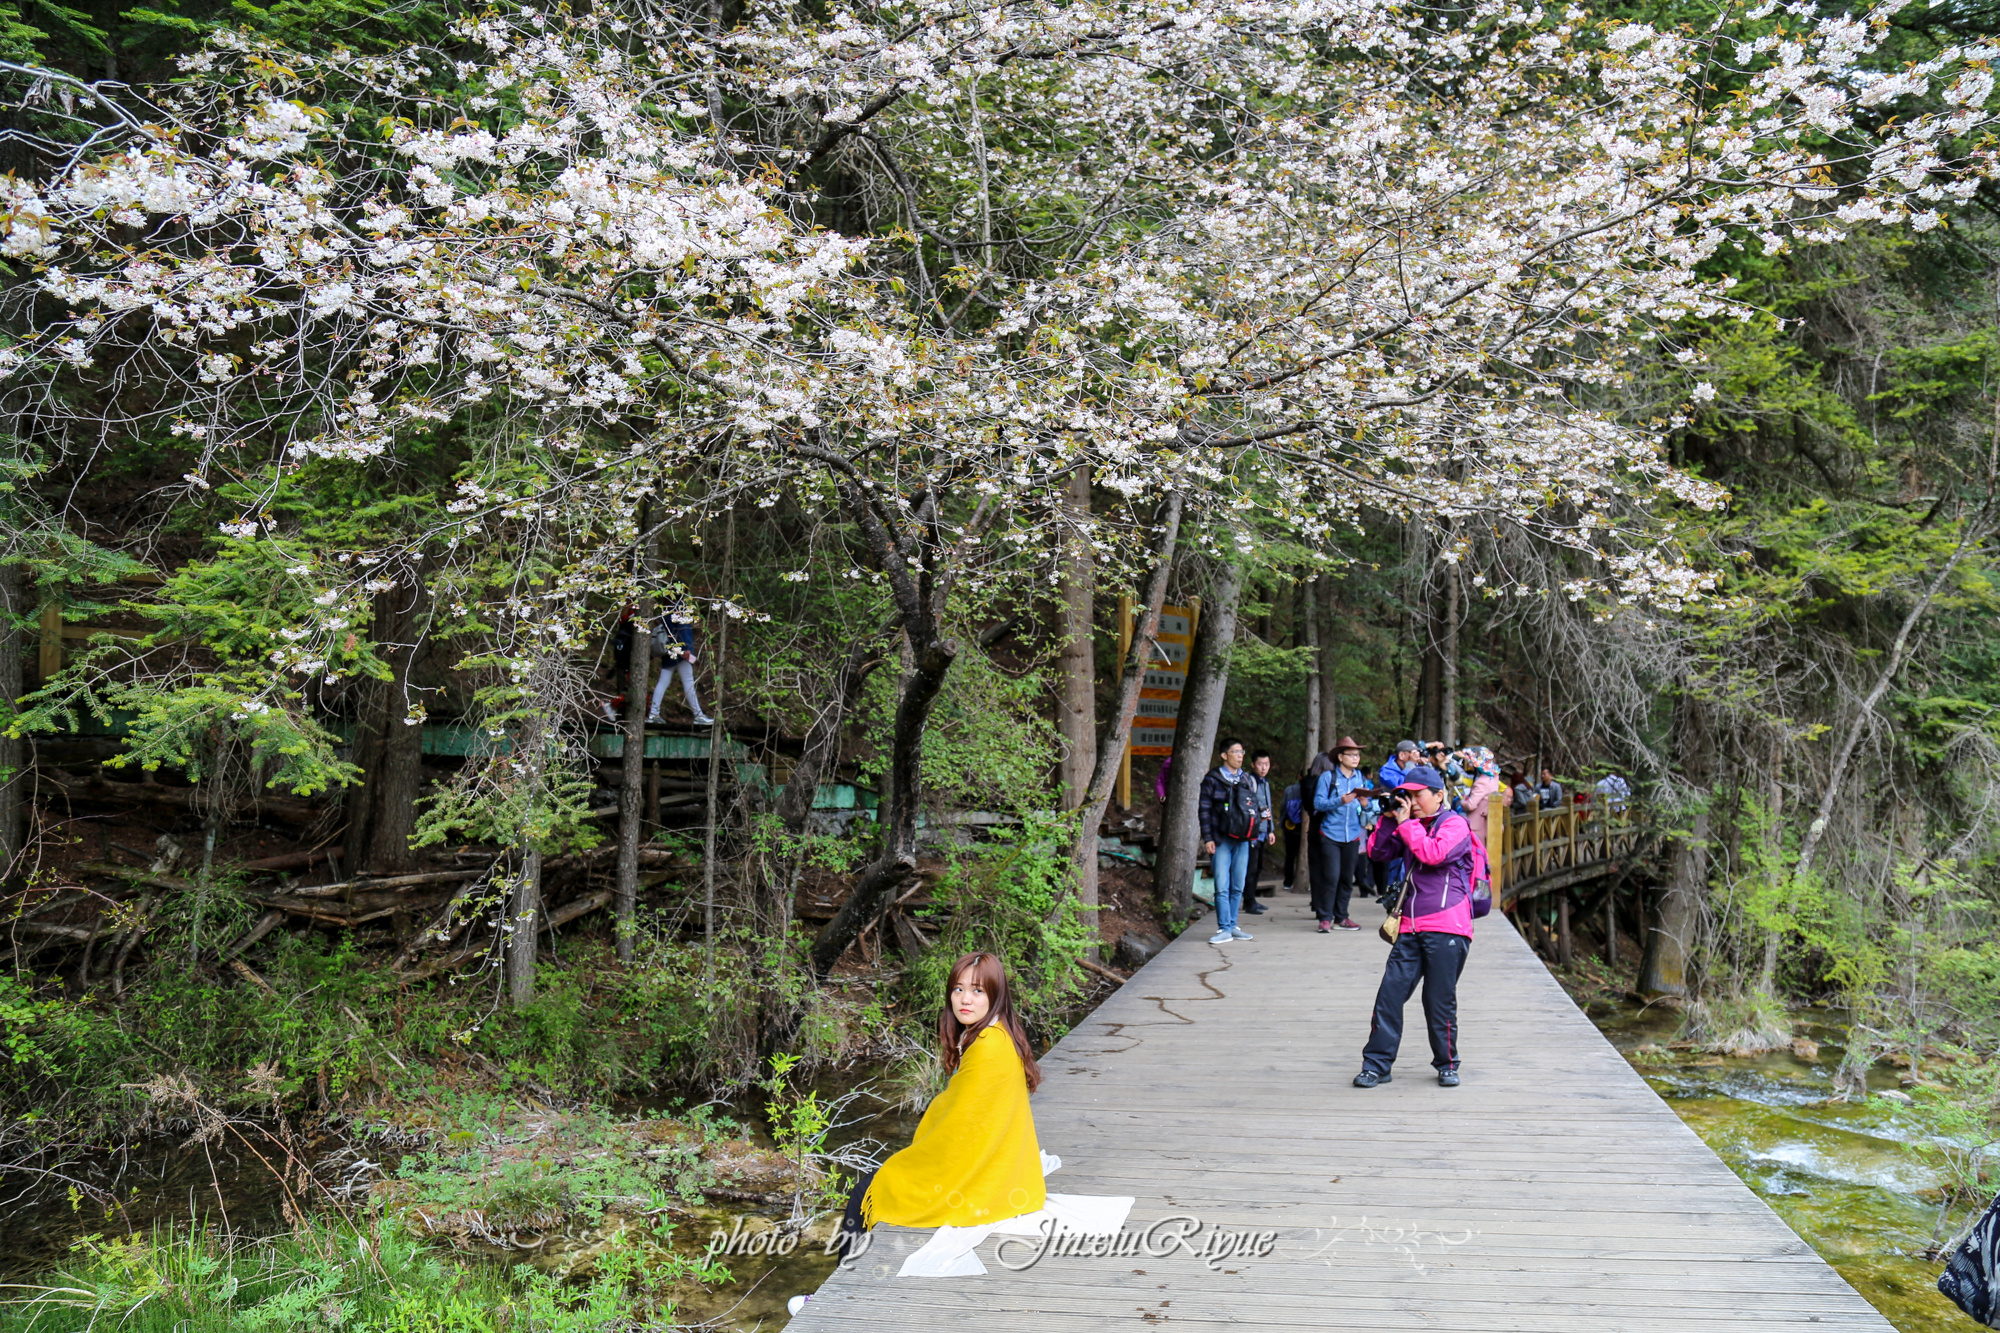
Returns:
<point x="1443" y="861"/>
<point x="1267" y="833"/>
<point x="1231" y="820"/>
<point x="1337" y="800"/>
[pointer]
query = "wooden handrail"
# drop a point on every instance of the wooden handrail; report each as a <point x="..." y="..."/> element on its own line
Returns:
<point x="1527" y="845"/>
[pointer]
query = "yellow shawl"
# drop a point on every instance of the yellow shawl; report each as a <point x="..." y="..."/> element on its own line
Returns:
<point x="974" y="1159"/>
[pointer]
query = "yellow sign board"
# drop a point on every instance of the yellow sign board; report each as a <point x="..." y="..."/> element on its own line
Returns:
<point x="1165" y="680"/>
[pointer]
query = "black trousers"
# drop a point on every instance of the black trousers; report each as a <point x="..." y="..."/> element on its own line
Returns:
<point x="1316" y="868"/>
<point x="1365" y="870"/>
<point x="1333" y="877"/>
<point x="1291" y="856"/>
<point x="851" y="1230"/>
<point x="1250" y="874"/>
<point x="1343" y="864"/>
<point x="1436" y="959"/>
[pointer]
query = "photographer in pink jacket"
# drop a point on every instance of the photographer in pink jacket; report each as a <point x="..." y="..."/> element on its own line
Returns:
<point x="1445" y="862"/>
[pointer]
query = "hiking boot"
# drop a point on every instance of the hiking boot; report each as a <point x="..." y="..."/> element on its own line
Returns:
<point x="1368" y="1078"/>
<point x="1347" y="923"/>
<point x="1220" y="937"/>
<point x="1238" y="933"/>
<point x="1448" y="1076"/>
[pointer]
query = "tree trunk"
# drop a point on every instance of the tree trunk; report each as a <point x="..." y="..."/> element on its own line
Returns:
<point x="1194" y="742"/>
<point x="15" y="781"/>
<point x="524" y="913"/>
<point x="1111" y="748"/>
<point x="1669" y="930"/>
<point x="1306" y="632"/>
<point x="1448" y="661"/>
<point x="919" y="595"/>
<point x="1324" y="623"/>
<point x="1076" y="706"/>
<point x="388" y="747"/>
<point x="898" y="859"/>
<point x="632" y="768"/>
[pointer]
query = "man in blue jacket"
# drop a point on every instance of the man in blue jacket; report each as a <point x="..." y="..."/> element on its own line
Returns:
<point x="1337" y="802"/>
<point x="1408" y="755"/>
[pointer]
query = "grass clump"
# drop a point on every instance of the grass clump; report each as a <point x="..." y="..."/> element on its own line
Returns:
<point x="372" y="1277"/>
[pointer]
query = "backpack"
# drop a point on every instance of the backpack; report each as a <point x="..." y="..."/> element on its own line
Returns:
<point x="1972" y="1279"/>
<point x="1239" y="811"/>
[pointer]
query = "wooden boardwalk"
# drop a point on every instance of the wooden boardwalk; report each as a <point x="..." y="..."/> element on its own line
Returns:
<point x="1553" y="1192"/>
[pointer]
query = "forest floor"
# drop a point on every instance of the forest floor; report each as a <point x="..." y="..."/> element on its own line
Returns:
<point x="196" y="1116"/>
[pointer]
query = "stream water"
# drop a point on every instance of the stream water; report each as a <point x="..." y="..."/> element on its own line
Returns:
<point x="1837" y="1172"/>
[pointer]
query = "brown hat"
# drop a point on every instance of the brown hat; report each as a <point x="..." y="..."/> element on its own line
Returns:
<point x="1345" y="743"/>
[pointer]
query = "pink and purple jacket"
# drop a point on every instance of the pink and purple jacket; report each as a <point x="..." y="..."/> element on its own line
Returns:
<point x="1440" y="859"/>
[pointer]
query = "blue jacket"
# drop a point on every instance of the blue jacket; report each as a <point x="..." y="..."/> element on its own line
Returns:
<point x="1339" y="820"/>
<point x="1390" y="774"/>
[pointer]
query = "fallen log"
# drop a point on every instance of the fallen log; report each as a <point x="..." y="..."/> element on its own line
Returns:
<point x="570" y="911"/>
<point x="113" y="870"/>
<point x="397" y="882"/>
<point x="560" y="916"/>
<point x="293" y="860"/>
<point x="1102" y="971"/>
<point x="98" y="790"/>
<point x="85" y="933"/>
<point x="249" y="974"/>
<point x="265" y="925"/>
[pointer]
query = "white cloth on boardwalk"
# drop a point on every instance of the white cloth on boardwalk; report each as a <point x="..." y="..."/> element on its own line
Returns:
<point x="949" y="1253"/>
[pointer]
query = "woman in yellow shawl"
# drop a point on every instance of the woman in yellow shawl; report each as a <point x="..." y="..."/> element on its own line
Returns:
<point x="974" y="1159"/>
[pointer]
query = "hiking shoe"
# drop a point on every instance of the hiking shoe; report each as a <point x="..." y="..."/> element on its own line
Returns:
<point x="1220" y="937"/>
<point x="1368" y="1078"/>
<point x="655" y="718"/>
<point x="1257" y="909"/>
<point x="1238" y="933"/>
<point x="1448" y="1076"/>
<point x="1346" y="923"/>
<point x="701" y="721"/>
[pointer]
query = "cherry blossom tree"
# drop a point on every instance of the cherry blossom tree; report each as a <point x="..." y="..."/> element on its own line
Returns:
<point x="919" y="263"/>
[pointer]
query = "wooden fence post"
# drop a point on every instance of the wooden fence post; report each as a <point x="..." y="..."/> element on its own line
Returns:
<point x="1535" y="833"/>
<point x="1496" y="843"/>
<point x="1562" y="928"/>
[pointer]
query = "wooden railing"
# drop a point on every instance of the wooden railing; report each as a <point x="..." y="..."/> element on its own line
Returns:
<point x="1537" y="851"/>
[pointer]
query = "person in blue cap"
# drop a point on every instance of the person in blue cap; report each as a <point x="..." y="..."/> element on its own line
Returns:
<point x="1443" y="860"/>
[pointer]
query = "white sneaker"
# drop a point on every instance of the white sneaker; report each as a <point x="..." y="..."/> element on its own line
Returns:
<point x="654" y="717"/>
<point x="1238" y="933"/>
<point x="796" y="1304"/>
<point x="1221" y="937"/>
<point x="701" y="721"/>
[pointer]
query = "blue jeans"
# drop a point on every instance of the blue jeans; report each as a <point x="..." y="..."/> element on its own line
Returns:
<point x="1231" y="860"/>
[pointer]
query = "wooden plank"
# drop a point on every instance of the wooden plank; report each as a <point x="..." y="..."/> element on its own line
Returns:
<point x="1553" y="1192"/>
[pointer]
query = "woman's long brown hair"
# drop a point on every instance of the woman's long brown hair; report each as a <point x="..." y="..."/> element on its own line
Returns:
<point x="954" y="1036"/>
